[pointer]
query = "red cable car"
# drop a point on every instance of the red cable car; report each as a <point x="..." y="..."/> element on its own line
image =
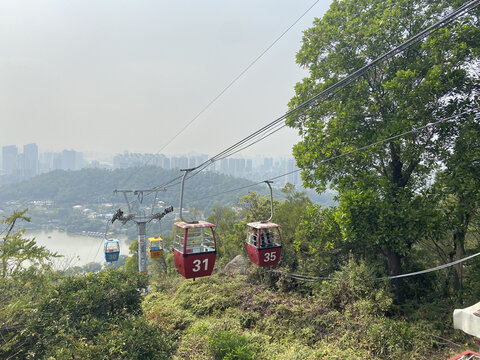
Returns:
<point x="264" y="242"/>
<point x="194" y="249"/>
<point x="194" y="245"/>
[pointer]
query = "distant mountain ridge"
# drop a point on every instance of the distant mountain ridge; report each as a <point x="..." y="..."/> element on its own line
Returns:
<point x="91" y="186"/>
<point x="97" y="185"/>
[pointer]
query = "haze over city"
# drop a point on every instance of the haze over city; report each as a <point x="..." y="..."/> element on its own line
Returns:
<point x="113" y="76"/>
<point x="22" y="163"/>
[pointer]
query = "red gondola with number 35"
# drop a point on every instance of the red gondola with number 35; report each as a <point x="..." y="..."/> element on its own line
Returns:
<point x="264" y="245"/>
<point x="264" y="242"/>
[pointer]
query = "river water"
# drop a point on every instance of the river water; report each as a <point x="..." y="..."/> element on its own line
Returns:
<point x="78" y="250"/>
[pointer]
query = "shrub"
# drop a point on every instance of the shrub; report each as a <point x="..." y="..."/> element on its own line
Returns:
<point x="206" y="297"/>
<point x="354" y="282"/>
<point x="132" y="338"/>
<point x="229" y="345"/>
<point x="82" y="310"/>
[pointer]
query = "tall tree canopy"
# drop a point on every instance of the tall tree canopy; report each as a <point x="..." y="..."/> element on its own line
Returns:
<point x="435" y="78"/>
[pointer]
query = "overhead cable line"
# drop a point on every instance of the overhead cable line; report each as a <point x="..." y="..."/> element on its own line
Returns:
<point x="356" y="150"/>
<point x="436" y="268"/>
<point x="266" y="131"/>
<point x="332" y="157"/>
<point x="341" y="155"/>
<point x="253" y="138"/>
<point x="206" y="107"/>
<point x="98" y="250"/>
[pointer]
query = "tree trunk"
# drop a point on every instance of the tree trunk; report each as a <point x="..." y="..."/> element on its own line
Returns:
<point x="398" y="182"/>
<point x="459" y="248"/>
<point x="395" y="268"/>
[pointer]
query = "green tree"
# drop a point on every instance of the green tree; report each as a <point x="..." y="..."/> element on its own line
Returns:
<point x="228" y="345"/>
<point x="288" y="215"/>
<point x="131" y="263"/>
<point x="459" y="183"/>
<point x="254" y="207"/>
<point x="18" y="253"/>
<point x="25" y="277"/>
<point x="428" y="81"/>
<point x="229" y="232"/>
<point x="94" y="316"/>
<point x="318" y="241"/>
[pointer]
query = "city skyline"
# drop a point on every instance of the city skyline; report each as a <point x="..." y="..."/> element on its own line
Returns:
<point x="33" y="162"/>
<point x="100" y="155"/>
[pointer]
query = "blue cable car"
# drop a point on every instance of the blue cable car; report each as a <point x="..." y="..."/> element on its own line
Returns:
<point x="112" y="250"/>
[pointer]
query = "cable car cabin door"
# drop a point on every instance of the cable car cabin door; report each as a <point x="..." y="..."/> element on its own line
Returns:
<point x="155" y="254"/>
<point x="264" y="257"/>
<point x="111" y="257"/>
<point x="192" y="266"/>
<point x="194" y="250"/>
<point x="264" y="246"/>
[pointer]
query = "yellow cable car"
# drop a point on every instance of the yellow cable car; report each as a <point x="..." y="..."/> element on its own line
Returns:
<point x="156" y="247"/>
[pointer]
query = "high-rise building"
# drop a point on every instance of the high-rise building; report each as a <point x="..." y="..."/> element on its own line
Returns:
<point x="241" y="166"/>
<point x="120" y="161"/>
<point x="179" y="162"/>
<point x="267" y="164"/>
<point x="224" y="166"/>
<point x="20" y="165"/>
<point x="79" y="160"/>
<point x="159" y="160"/>
<point x="69" y="160"/>
<point x="232" y="167"/>
<point x="30" y="160"/>
<point x="45" y="161"/>
<point x="57" y="162"/>
<point x="166" y="163"/>
<point x="249" y="166"/>
<point x="10" y="159"/>
<point x="293" y="176"/>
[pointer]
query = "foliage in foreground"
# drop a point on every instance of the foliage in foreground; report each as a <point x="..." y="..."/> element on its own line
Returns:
<point x="236" y="317"/>
<point x="47" y="315"/>
<point x="94" y="316"/>
<point x="263" y="315"/>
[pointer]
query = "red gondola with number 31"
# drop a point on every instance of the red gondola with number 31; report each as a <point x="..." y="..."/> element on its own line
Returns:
<point x="194" y="249"/>
<point x="194" y="245"/>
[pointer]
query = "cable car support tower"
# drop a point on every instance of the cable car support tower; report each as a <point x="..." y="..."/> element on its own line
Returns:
<point x="141" y="219"/>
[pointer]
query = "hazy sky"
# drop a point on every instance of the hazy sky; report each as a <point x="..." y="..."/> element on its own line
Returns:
<point x="110" y="75"/>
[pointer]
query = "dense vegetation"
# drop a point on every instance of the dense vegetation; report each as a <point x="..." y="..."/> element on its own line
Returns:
<point x="251" y="313"/>
<point x="93" y="188"/>
<point x="413" y="181"/>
